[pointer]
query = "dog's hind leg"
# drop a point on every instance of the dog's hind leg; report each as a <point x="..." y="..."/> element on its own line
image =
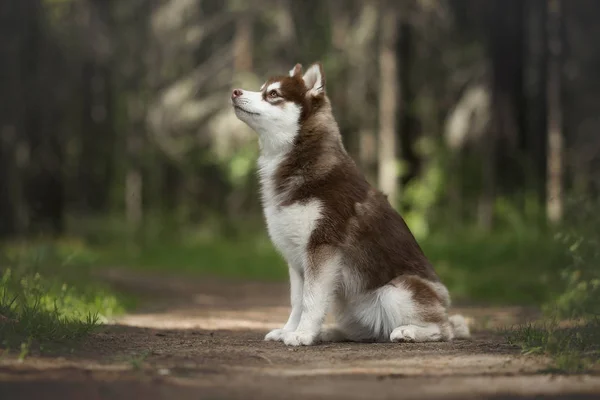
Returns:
<point x="428" y="321"/>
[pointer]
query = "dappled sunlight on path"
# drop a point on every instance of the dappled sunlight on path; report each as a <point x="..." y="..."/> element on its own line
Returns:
<point x="199" y="338"/>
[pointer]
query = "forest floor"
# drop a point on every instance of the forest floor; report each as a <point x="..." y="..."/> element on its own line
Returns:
<point x="195" y="338"/>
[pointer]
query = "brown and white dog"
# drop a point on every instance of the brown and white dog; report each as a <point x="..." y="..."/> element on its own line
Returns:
<point x="344" y="244"/>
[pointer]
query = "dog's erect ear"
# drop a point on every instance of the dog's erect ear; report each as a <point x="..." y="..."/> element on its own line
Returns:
<point x="297" y="70"/>
<point x="314" y="79"/>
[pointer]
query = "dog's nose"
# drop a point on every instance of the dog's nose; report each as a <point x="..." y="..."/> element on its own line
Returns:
<point x="236" y="93"/>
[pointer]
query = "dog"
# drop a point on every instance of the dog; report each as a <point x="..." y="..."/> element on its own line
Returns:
<point x="346" y="247"/>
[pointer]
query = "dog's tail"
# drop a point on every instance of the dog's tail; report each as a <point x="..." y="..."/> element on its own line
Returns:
<point x="460" y="327"/>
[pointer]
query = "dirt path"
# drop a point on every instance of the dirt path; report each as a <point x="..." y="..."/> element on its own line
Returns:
<point x="199" y="339"/>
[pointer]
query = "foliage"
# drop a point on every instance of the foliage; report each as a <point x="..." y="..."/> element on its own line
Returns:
<point x="574" y="344"/>
<point x="422" y="196"/>
<point x="580" y="237"/>
<point x="140" y="122"/>
<point x="502" y="267"/>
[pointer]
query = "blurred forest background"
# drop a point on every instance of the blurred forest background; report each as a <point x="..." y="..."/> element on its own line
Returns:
<point x="117" y="140"/>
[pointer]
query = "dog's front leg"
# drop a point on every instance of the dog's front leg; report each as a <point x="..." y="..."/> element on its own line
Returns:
<point x="319" y="285"/>
<point x="296" y="289"/>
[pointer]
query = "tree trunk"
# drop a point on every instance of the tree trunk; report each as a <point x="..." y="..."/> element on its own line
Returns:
<point x="504" y="141"/>
<point x="242" y="43"/>
<point x="356" y="40"/>
<point x="407" y="135"/>
<point x="44" y="180"/>
<point x="138" y="85"/>
<point x="97" y="138"/>
<point x="13" y="210"/>
<point x="388" y="101"/>
<point x="485" y="212"/>
<point x="134" y="207"/>
<point x="554" y="188"/>
<point x="535" y="71"/>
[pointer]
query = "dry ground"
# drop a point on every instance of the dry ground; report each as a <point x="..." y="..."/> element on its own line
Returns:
<point x="202" y="339"/>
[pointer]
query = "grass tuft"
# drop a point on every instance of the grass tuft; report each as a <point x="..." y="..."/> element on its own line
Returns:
<point x="574" y="347"/>
<point x="48" y="300"/>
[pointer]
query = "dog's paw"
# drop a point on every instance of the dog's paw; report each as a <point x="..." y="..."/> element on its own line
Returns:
<point x="403" y="334"/>
<point x="276" y="335"/>
<point x="300" y="338"/>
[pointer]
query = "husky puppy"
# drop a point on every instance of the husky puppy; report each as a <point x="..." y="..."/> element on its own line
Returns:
<point x="345" y="246"/>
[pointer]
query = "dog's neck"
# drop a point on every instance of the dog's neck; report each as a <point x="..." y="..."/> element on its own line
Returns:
<point x="277" y="149"/>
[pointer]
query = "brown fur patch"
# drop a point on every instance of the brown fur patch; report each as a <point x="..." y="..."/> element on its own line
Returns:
<point x="430" y="303"/>
<point x="291" y="88"/>
<point x="356" y="219"/>
<point x="421" y="290"/>
<point x="316" y="258"/>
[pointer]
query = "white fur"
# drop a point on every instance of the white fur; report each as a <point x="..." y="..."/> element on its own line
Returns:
<point x="319" y="287"/>
<point x="276" y="124"/>
<point x="460" y="327"/>
<point x="388" y="313"/>
<point x="442" y="292"/>
<point x="374" y="315"/>
<point x="297" y="69"/>
<point x="273" y="86"/>
<point x="296" y="290"/>
<point x="289" y="227"/>
<point x="314" y="80"/>
<point x="417" y="333"/>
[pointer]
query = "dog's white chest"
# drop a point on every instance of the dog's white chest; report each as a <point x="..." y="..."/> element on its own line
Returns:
<point x="290" y="227"/>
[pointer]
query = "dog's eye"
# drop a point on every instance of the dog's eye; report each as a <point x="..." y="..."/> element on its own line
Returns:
<point x="273" y="94"/>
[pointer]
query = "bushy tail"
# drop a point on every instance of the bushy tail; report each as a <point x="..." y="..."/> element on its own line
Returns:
<point x="459" y="326"/>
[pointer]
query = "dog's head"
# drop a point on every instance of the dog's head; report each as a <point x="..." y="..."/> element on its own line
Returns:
<point x="277" y="111"/>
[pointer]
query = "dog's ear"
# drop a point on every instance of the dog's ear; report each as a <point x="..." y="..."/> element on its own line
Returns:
<point x="314" y="79"/>
<point x="297" y="70"/>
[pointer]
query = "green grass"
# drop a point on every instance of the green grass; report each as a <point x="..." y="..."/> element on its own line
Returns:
<point x="497" y="269"/>
<point x="48" y="298"/>
<point x="510" y="268"/>
<point x="250" y="257"/>
<point x="573" y="349"/>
